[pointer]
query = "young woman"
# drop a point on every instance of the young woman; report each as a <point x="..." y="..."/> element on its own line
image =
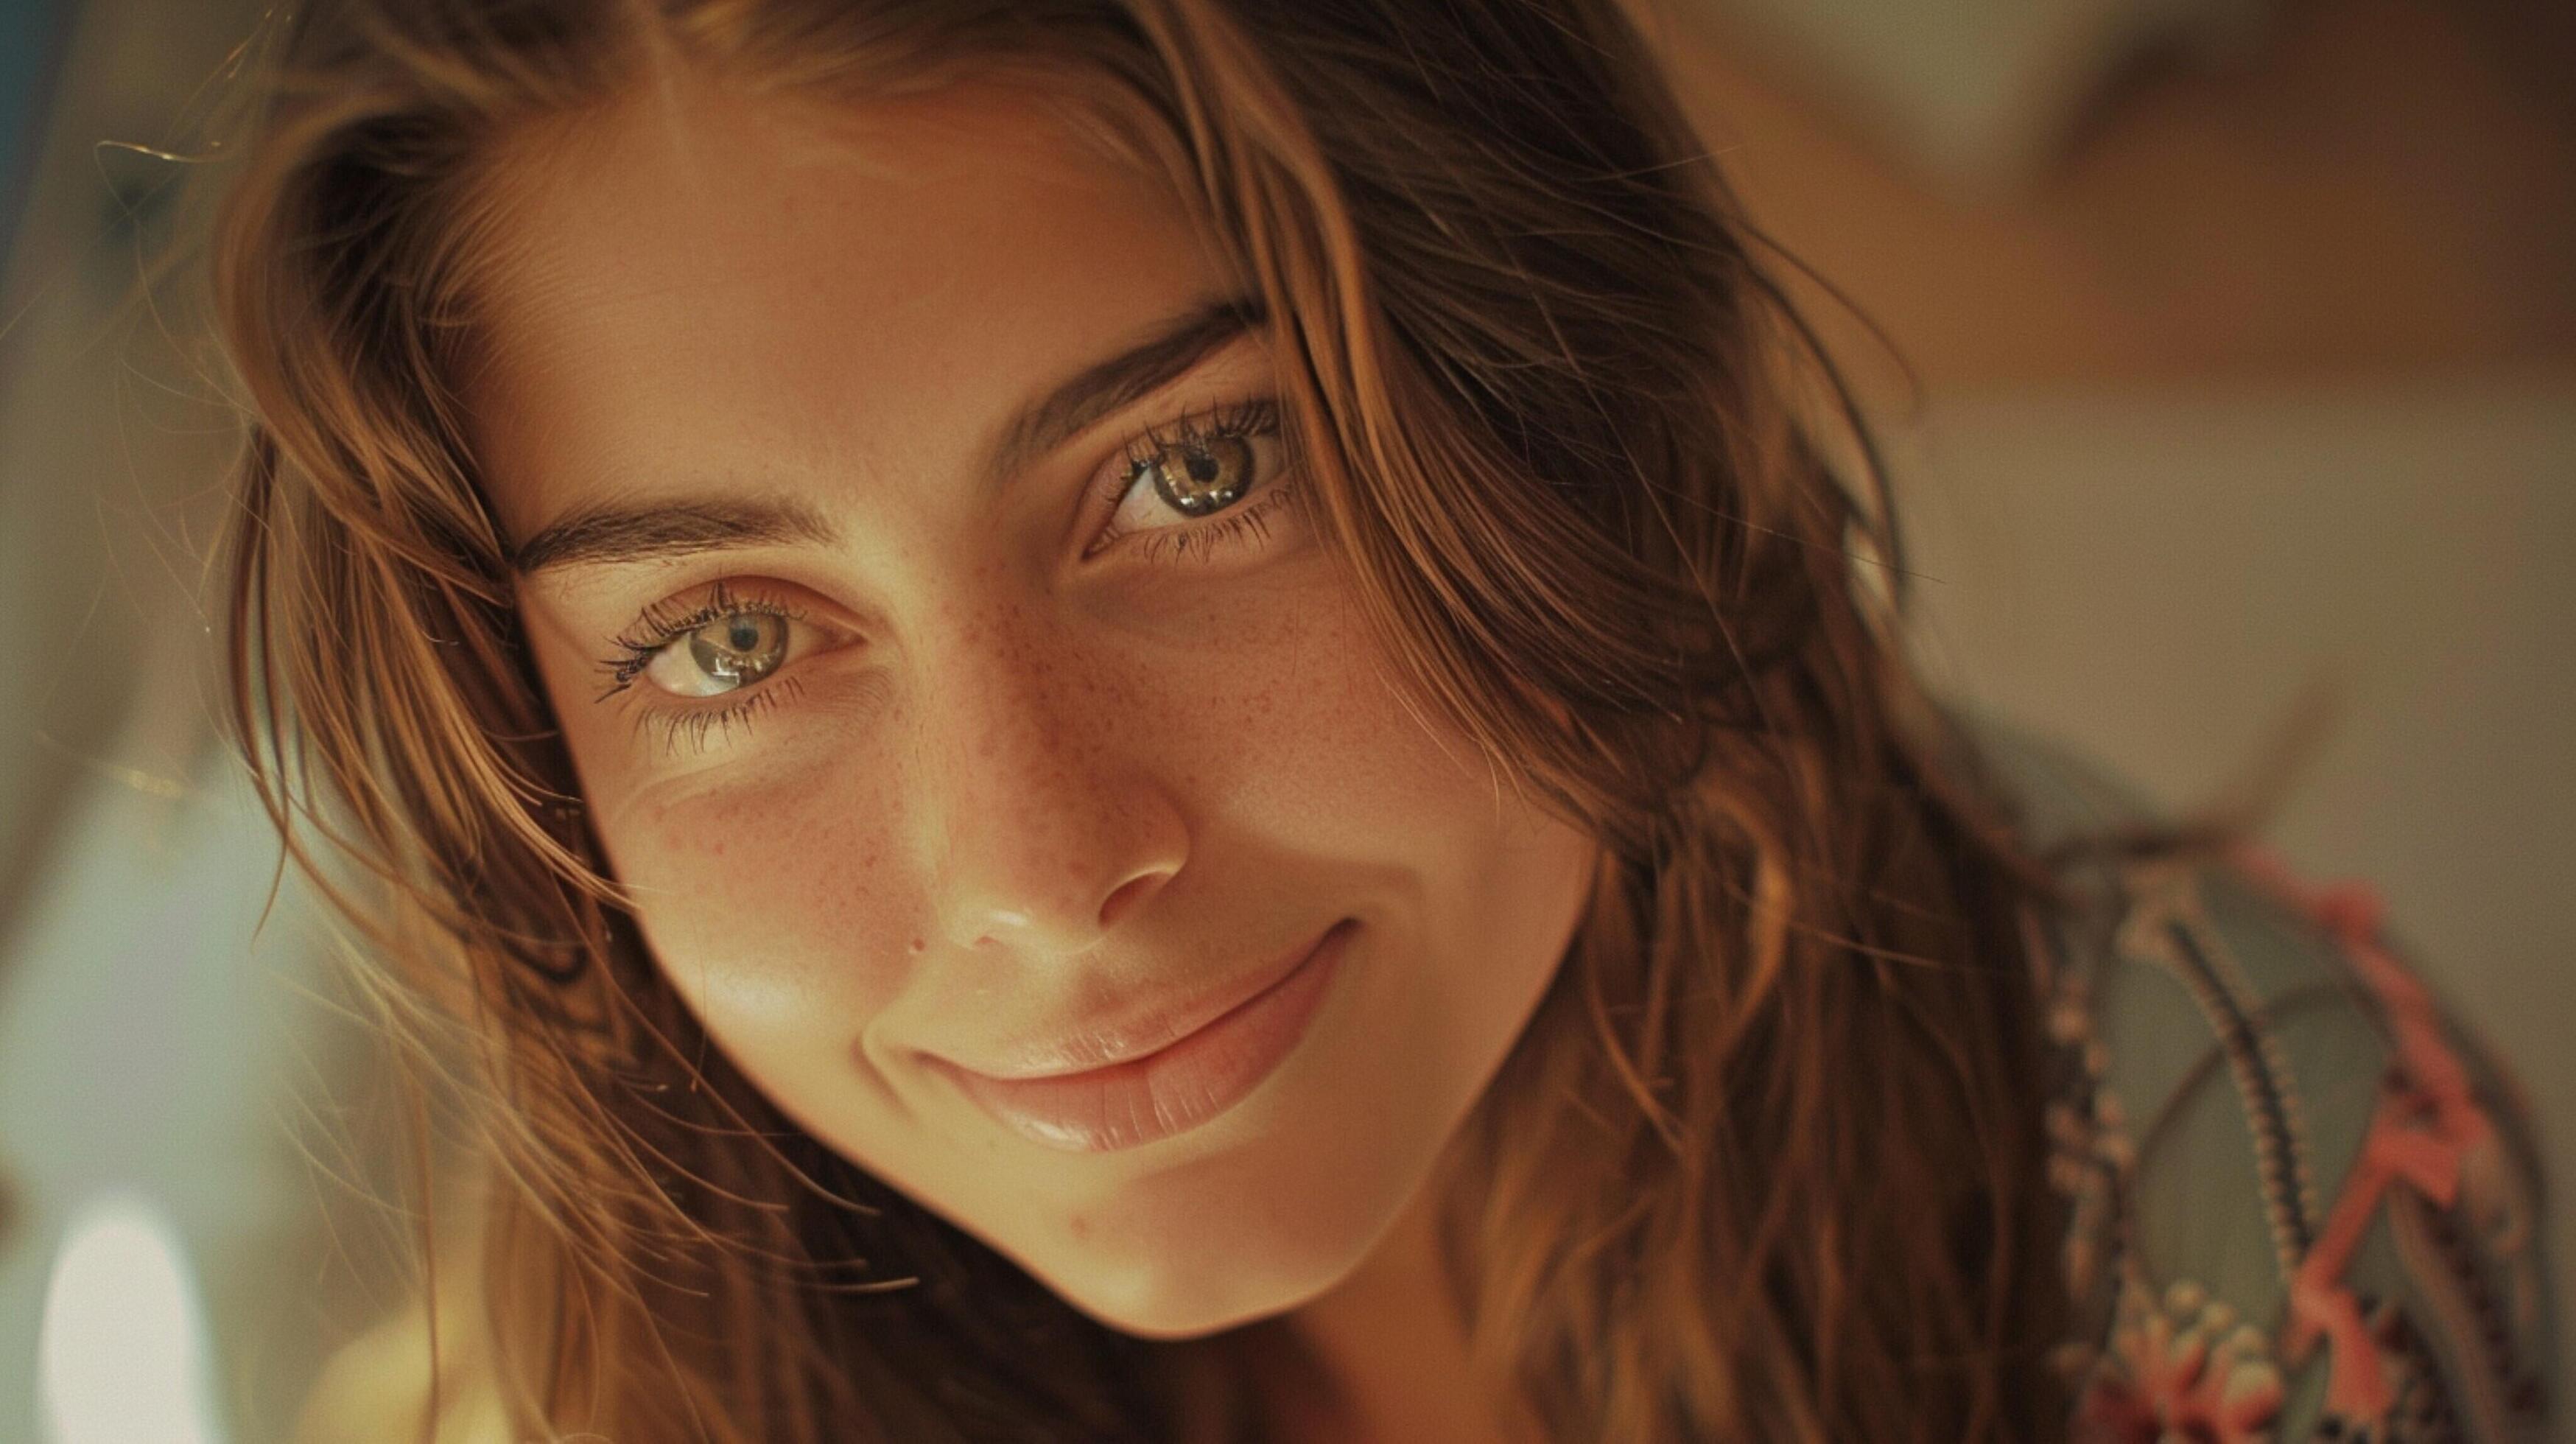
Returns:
<point x="1148" y="720"/>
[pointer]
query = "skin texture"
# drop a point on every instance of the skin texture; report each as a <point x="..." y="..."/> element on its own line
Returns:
<point x="997" y="780"/>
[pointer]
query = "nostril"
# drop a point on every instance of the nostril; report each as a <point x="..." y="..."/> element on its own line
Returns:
<point x="1127" y="896"/>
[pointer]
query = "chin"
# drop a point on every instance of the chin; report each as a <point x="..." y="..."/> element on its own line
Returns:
<point x="1159" y="1302"/>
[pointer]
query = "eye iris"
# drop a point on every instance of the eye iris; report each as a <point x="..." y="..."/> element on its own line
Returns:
<point x="740" y="650"/>
<point x="1192" y="489"/>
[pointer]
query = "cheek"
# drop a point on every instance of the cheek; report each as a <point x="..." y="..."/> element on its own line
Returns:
<point x="734" y="885"/>
<point x="1325" y="748"/>
<point x="1489" y="885"/>
<point x="767" y="910"/>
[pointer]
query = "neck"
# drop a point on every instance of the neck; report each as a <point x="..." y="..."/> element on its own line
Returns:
<point x="1382" y="1356"/>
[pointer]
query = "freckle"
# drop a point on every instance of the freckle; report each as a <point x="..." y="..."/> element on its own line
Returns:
<point x="916" y="945"/>
<point x="1080" y="1228"/>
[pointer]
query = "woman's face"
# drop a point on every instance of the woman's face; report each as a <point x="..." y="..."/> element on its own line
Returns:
<point x="934" y="734"/>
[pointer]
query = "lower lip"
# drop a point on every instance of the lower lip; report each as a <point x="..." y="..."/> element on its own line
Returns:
<point x="1127" y="1105"/>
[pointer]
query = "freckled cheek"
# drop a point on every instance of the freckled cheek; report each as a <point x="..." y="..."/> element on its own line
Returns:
<point x="771" y="910"/>
<point x="762" y="906"/>
<point x="1323" y="745"/>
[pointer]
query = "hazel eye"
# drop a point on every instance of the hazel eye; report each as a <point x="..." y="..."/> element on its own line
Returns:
<point x="1198" y="477"/>
<point x="724" y="655"/>
<point x="1206" y="470"/>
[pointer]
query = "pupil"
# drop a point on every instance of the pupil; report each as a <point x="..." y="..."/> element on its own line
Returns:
<point x="1192" y="488"/>
<point x="740" y="650"/>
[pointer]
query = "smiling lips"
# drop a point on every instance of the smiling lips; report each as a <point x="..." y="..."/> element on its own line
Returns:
<point x="1174" y="1087"/>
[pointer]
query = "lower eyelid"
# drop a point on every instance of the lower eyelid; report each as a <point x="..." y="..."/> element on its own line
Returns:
<point x="738" y="709"/>
<point x="1164" y="545"/>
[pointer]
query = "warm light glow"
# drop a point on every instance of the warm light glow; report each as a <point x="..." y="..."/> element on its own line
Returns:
<point x="122" y="1354"/>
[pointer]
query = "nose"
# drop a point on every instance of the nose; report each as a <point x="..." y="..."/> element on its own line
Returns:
<point x="1046" y="828"/>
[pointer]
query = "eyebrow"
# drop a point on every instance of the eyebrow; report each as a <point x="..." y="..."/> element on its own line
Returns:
<point x="608" y="533"/>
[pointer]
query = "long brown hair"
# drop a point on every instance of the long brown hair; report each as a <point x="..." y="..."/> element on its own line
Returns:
<point x="1768" y="1161"/>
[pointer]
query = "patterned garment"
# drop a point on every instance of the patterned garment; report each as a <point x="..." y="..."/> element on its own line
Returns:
<point x="2304" y="1205"/>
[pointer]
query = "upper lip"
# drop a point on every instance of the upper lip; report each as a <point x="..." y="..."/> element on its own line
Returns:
<point x="1118" y="1035"/>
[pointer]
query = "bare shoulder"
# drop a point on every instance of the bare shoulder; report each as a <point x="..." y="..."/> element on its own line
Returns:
<point x="377" y="1387"/>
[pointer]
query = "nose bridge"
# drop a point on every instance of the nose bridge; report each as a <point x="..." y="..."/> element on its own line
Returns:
<point x="1040" y="837"/>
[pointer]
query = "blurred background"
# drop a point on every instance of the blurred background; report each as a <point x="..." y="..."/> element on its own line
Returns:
<point x="2238" y="364"/>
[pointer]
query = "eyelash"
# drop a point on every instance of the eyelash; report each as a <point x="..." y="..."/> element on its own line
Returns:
<point x="665" y="622"/>
<point x="1259" y="417"/>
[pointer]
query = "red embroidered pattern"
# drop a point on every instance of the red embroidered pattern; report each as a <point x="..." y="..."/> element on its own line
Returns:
<point x="2169" y="1359"/>
<point x="2428" y="1134"/>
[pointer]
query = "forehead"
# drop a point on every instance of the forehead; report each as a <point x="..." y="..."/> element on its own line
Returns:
<point x="697" y="268"/>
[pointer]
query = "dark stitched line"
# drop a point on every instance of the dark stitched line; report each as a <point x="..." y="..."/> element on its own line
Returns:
<point x="2275" y="1144"/>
